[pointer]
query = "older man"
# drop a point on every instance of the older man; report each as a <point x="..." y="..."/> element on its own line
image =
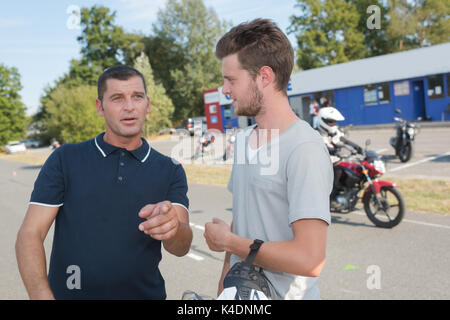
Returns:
<point x="114" y="200"/>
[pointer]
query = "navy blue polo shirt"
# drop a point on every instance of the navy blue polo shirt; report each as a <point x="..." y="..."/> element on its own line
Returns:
<point x="100" y="190"/>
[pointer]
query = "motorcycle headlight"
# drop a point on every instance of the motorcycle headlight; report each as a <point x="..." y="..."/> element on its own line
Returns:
<point x="411" y="131"/>
<point x="379" y="166"/>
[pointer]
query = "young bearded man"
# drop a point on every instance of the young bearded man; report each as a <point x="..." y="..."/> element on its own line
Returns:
<point x="114" y="199"/>
<point x="287" y="209"/>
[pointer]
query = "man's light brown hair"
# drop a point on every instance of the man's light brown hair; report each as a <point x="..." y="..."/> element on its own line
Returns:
<point x="259" y="43"/>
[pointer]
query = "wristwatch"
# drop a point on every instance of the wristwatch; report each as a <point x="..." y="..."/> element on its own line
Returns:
<point x="254" y="248"/>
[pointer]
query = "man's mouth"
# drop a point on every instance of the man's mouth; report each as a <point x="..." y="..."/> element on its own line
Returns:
<point x="128" y="120"/>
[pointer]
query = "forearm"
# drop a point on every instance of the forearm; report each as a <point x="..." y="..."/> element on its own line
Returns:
<point x="225" y="269"/>
<point x="179" y="244"/>
<point x="31" y="261"/>
<point x="283" y="256"/>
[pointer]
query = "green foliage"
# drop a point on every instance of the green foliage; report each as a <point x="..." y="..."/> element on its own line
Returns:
<point x="335" y="31"/>
<point x="327" y="33"/>
<point x="182" y="48"/>
<point x="12" y="110"/>
<point x="161" y="107"/>
<point x="72" y="115"/>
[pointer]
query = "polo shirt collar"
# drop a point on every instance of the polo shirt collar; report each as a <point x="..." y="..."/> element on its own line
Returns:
<point x="106" y="149"/>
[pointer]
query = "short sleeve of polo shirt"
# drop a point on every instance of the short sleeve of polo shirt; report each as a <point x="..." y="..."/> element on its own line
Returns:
<point x="49" y="185"/>
<point x="309" y="182"/>
<point x="177" y="193"/>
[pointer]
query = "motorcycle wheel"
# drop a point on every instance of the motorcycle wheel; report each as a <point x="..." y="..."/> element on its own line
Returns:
<point x="405" y="153"/>
<point x="392" y="207"/>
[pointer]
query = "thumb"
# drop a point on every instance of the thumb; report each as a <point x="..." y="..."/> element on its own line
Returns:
<point x="218" y="221"/>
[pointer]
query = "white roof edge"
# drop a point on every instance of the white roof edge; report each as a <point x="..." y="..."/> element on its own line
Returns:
<point x="390" y="67"/>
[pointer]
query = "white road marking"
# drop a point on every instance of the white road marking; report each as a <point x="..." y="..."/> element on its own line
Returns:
<point x="195" y="257"/>
<point x="381" y="151"/>
<point x="416" y="222"/>
<point x="196" y="226"/>
<point x="420" y="161"/>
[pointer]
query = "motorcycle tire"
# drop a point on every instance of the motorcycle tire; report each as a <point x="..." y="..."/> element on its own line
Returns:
<point x="405" y="153"/>
<point x="380" y="216"/>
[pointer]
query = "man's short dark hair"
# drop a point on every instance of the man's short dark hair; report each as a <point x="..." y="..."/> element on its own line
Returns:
<point x="119" y="72"/>
<point x="260" y="43"/>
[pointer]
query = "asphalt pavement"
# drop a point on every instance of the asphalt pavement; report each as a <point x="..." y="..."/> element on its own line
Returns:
<point x="409" y="261"/>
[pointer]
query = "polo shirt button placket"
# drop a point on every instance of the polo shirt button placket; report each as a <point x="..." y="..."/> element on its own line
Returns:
<point x="122" y="164"/>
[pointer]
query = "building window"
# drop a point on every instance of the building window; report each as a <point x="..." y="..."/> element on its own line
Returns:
<point x="435" y="87"/>
<point x="228" y="111"/>
<point x="318" y="96"/>
<point x="384" y="93"/>
<point x="401" y="88"/>
<point x="370" y="95"/>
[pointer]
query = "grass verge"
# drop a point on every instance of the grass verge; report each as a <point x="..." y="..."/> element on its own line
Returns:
<point x="425" y="195"/>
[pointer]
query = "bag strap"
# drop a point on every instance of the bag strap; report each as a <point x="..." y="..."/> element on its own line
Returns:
<point x="254" y="248"/>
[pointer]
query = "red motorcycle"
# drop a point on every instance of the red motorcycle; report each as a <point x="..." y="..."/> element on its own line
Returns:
<point x="382" y="201"/>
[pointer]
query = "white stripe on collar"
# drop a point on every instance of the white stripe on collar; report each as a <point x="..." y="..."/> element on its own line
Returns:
<point x="104" y="155"/>
<point x="148" y="153"/>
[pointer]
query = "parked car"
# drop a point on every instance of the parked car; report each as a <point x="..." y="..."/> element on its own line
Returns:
<point x="15" y="147"/>
<point x="32" y="143"/>
<point x="191" y="123"/>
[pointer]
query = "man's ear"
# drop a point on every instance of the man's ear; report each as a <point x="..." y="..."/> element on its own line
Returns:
<point x="267" y="76"/>
<point x="99" y="105"/>
<point x="148" y="105"/>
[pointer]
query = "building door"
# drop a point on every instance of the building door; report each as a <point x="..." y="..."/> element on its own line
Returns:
<point x="418" y="100"/>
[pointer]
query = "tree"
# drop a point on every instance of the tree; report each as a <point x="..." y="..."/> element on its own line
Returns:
<point x="327" y="33"/>
<point x="72" y="115"/>
<point x="375" y="39"/>
<point x="161" y="107"/>
<point x="402" y="24"/>
<point x="187" y="33"/>
<point x="433" y="21"/>
<point x="12" y="110"/>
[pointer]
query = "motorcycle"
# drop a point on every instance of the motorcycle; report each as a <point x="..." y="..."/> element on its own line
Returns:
<point x="382" y="201"/>
<point x="403" y="142"/>
<point x="204" y="145"/>
<point x="229" y="148"/>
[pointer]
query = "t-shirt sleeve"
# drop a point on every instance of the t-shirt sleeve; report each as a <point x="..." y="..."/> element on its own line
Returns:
<point x="177" y="193"/>
<point x="309" y="182"/>
<point x="49" y="186"/>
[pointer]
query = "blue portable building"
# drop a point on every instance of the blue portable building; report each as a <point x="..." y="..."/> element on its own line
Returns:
<point x="367" y="91"/>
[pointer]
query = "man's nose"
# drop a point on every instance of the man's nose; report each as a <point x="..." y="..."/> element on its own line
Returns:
<point x="225" y="89"/>
<point x="128" y="104"/>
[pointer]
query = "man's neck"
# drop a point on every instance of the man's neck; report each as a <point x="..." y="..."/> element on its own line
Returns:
<point x="277" y="114"/>
<point x="129" y="143"/>
<point x="276" y="118"/>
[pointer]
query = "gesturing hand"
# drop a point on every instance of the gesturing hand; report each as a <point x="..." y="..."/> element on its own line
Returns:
<point x="216" y="234"/>
<point x="162" y="220"/>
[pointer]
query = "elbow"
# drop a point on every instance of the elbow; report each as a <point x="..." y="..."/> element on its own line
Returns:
<point x="313" y="268"/>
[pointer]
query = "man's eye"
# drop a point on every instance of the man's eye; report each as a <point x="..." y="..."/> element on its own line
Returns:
<point x="117" y="98"/>
<point x="138" y="96"/>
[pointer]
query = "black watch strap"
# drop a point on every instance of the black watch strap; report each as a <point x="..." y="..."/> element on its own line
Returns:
<point x="254" y="248"/>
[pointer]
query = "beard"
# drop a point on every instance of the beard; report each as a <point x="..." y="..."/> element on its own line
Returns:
<point x="253" y="105"/>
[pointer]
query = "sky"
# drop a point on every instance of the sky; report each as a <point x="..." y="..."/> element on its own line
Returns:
<point x="39" y="38"/>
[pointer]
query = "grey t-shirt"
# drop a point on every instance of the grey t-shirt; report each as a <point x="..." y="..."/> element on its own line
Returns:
<point x="290" y="179"/>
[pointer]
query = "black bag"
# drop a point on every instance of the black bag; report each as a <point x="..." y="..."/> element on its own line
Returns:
<point x="245" y="276"/>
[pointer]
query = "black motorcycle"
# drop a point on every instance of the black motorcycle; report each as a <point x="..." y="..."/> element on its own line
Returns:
<point x="403" y="142"/>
